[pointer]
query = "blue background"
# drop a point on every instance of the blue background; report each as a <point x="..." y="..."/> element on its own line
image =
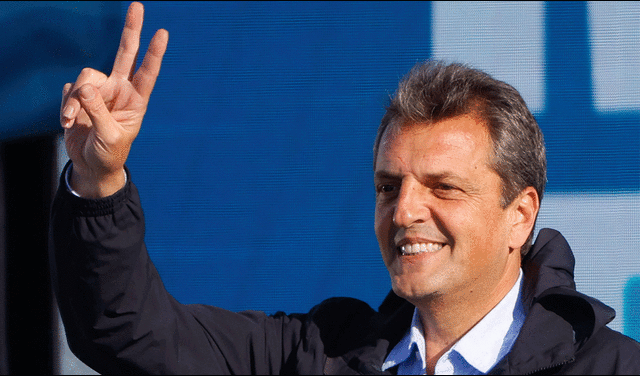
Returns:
<point x="257" y="148"/>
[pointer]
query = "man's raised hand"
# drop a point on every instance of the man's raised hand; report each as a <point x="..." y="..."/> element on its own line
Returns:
<point x="102" y="114"/>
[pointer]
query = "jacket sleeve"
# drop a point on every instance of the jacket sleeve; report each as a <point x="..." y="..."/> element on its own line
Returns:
<point x="120" y="319"/>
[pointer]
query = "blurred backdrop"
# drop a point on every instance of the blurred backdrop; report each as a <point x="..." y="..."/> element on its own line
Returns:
<point x="254" y="161"/>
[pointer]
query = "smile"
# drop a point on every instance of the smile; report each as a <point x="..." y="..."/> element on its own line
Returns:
<point x="414" y="249"/>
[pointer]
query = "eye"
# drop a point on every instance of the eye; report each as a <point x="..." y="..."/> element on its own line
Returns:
<point x="446" y="191"/>
<point x="386" y="188"/>
<point x="445" y="187"/>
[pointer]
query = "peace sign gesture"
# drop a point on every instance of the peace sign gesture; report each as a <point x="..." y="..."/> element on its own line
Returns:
<point x="102" y="114"/>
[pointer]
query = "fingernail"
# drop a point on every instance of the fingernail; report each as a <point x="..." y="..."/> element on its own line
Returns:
<point x="67" y="123"/>
<point x="68" y="112"/>
<point x="86" y="93"/>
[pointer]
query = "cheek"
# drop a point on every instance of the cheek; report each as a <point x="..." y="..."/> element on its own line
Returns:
<point x="383" y="227"/>
<point x="465" y="224"/>
<point x="383" y="212"/>
<point x="477" y="234"/>
<point x="451" y="218"/>
<point x="381" y="224"/>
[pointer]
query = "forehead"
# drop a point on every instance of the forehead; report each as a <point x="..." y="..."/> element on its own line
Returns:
<point x="462" y="140"/>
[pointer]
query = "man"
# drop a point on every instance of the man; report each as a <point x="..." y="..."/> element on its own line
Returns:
<point x="460" y="170"/>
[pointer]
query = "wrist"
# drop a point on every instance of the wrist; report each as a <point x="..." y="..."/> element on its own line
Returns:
<point x="87" y="185"/>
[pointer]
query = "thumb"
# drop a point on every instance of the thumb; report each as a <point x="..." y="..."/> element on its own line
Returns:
<point x="92" y="102"/>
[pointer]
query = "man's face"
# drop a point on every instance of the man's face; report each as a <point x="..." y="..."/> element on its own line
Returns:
<point x="438" y="220"/>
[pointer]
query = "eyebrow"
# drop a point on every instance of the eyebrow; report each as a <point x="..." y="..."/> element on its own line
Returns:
<point x="384" y="175"/>
<point x="444" y="175"/>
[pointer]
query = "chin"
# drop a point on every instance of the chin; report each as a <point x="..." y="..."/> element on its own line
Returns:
<point x="411" y="292"/>
<point x="417" y="289"/>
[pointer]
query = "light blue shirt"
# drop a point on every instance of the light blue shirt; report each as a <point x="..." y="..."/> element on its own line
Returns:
<point x="476" y="353"/>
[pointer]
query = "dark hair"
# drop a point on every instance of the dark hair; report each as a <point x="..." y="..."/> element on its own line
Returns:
<point x="434" y="91"/>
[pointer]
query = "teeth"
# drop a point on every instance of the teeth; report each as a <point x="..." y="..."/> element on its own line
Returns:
<point x="412" y="249"/>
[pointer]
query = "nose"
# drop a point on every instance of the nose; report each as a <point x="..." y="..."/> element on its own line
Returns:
<point x="411" y="207"/>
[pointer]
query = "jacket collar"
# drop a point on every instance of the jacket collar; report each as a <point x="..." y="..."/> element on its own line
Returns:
<point x="384" y="330"/>
<point x="548" y="270"/>
<point x="559" y="320"/>
<point x="549" y="264"/>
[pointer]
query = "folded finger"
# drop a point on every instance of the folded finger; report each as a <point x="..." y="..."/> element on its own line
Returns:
<point x="66" y="90"/>
<point x="72" y="104"/>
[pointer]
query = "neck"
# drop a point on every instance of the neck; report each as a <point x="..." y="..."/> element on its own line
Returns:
<point x="447" y="318"/>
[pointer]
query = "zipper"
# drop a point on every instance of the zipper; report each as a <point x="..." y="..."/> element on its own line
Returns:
<point x="570" y="360"/>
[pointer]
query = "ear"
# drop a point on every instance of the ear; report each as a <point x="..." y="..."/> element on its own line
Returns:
<point x="524" y="210"/>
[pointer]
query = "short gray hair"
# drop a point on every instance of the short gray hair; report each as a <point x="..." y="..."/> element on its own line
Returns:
<point x="433" y="91"/>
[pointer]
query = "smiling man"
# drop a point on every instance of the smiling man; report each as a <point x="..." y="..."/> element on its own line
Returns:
<point x="450" y="247"/>
<point x="450" y="230"/>
<point x="460" y="171"/>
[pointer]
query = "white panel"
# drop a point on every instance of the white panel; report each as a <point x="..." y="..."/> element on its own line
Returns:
<point x="504" y="39"/>
<point x="614" y="29"/>
<point x="603" y="231"/>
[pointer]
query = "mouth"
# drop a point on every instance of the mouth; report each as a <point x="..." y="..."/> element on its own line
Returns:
<point x="411" y="249"/>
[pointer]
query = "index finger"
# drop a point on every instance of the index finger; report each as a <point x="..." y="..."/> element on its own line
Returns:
<point x="125" y="61"/>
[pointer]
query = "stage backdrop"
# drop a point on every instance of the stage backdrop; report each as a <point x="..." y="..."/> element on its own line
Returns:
<point x="254" y="162"/>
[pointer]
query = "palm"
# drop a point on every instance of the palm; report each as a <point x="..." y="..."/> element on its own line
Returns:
<point x="90" y="147"/>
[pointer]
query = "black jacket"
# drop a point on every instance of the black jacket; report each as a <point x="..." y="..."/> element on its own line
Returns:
<point x="120" y="319"/>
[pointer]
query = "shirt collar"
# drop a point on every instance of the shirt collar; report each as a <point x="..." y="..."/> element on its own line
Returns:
<point x="495" y="333"/>
<point x="411" y="348"/>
